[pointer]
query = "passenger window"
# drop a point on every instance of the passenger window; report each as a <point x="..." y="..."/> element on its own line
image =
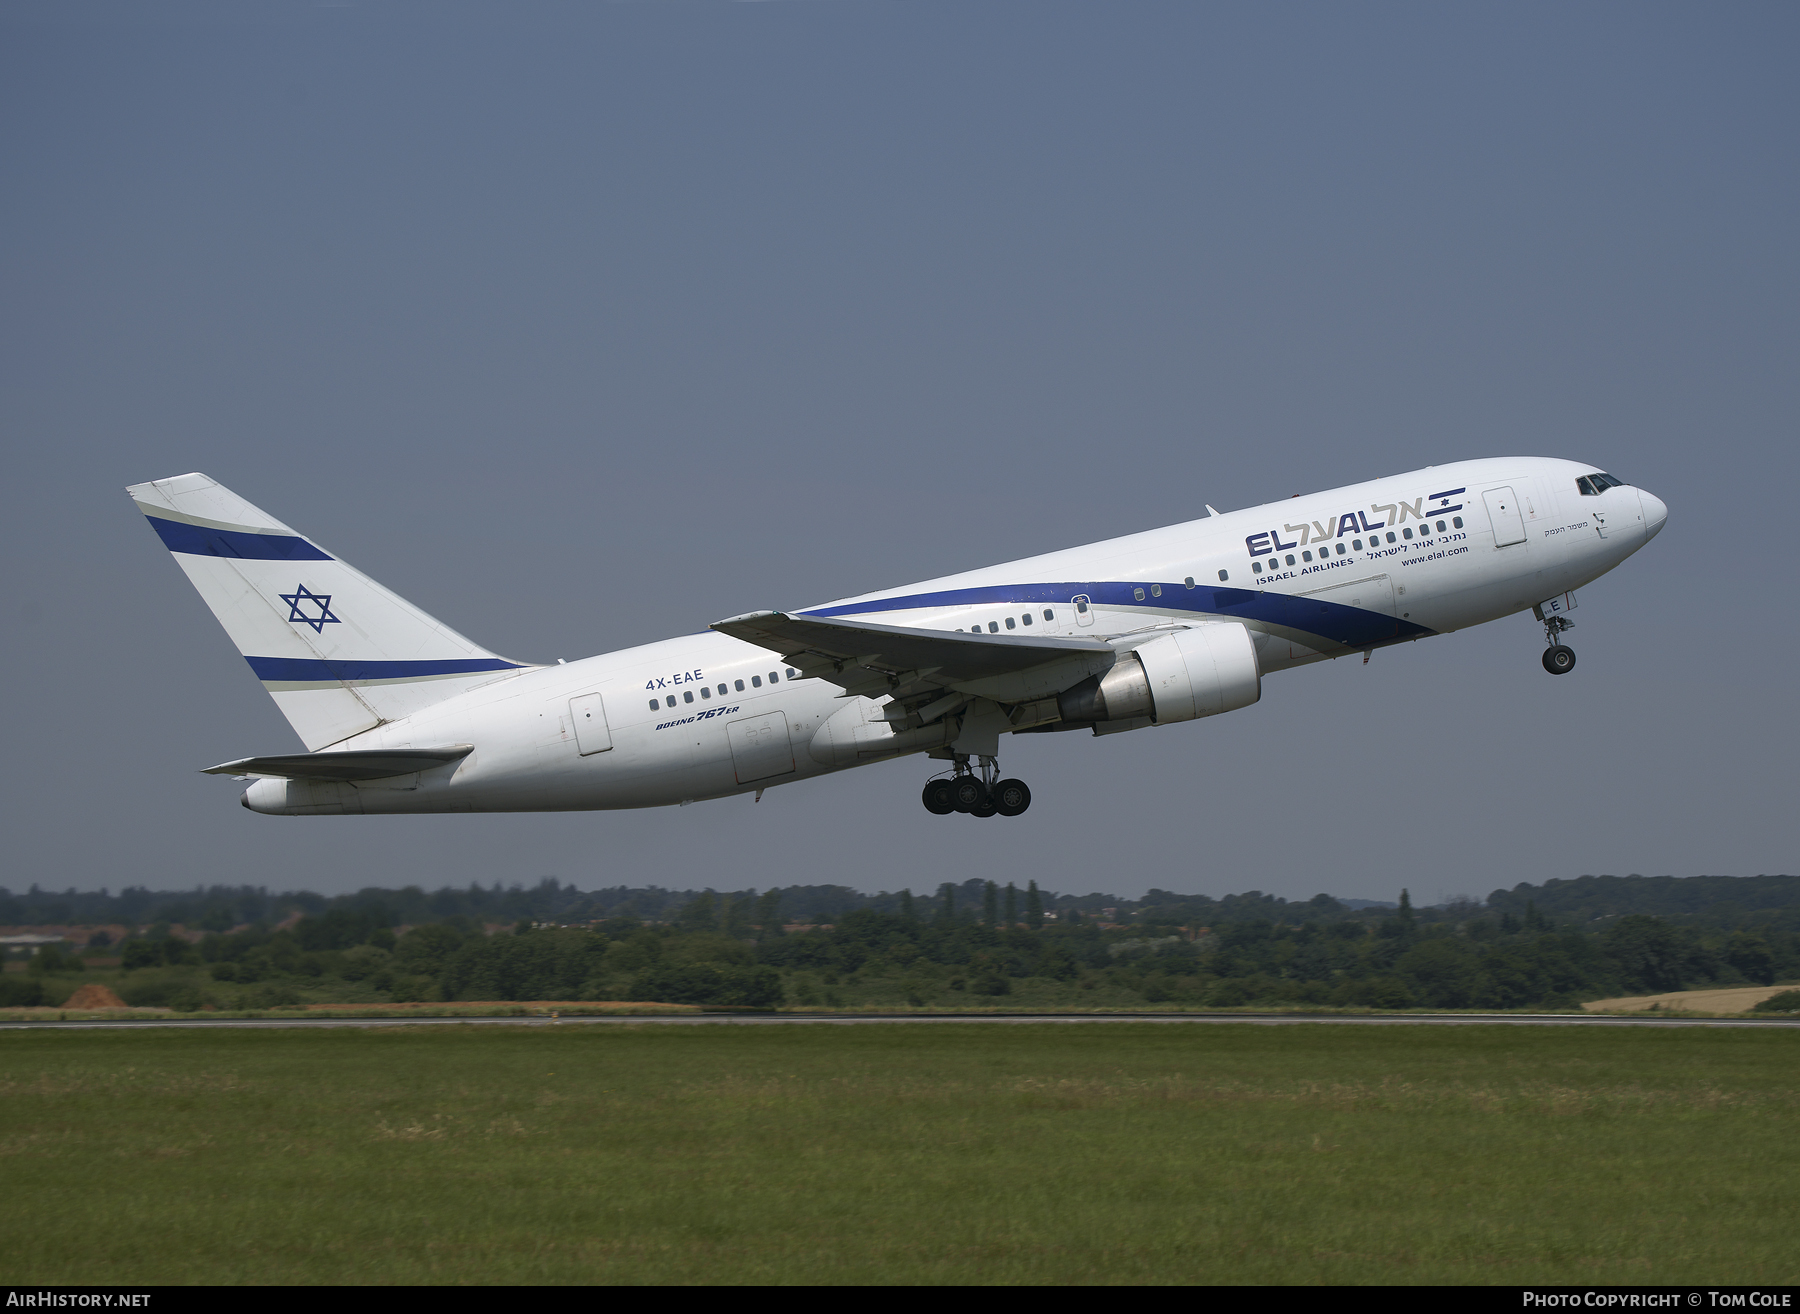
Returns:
<point x="687" y="695"/>
<point x="1026" y="618"/>
<point x="1340" y="551"/>
<point x="1138" y="594"/>
<point x="792" y="674"/>
<point x="705" y="693"/>
<point x="1049" y="615"/>
<point x="774" y="678"/>
<point x="1457" y="521"/>
<point x="1274" y="564"/>
<point x="756" y="682"/>
<point x="1189" y="581"/>
<point x="739" y="685"/>
<point x="1081" y="606"/>
<point x="1009" y="624"/>
<point x="1390" y="536"/>
<point x="1440" y="526"/>
<point x="1290" y="558"/>
<point x="1255" y="568"/>
<point x="723" y="691"/>
<point x="654" y="704"/>
<point x="670" y="700"/>
<point x="1405" y="533"/>
<point x="1156" y="590"/>
<point x="993" y="627"/>
<point x="1357" y="544"/>
<point x="1306" y="556"/>
<point x="1224" y="575"/>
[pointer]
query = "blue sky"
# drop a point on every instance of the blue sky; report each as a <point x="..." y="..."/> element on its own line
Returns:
<point x="585" y="325"/>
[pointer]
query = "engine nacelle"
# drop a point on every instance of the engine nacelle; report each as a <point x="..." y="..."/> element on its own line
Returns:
<point x="1191" y="673"/>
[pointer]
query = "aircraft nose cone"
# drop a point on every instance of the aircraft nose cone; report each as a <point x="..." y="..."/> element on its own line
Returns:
<point x="1655" y="512"/>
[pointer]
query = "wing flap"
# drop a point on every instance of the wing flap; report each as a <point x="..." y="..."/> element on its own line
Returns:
<point x="359" y="764"/>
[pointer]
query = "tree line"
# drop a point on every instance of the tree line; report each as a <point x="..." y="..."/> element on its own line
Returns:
<point x="1727" y="902"/>
<point x="973" y="942"/>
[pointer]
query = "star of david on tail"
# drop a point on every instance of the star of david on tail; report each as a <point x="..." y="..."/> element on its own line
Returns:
<point x="322" y="600"/>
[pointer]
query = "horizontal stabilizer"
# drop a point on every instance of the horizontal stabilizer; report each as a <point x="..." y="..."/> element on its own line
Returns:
<point x="833" y="648"/>
<point x="362" y="764"/>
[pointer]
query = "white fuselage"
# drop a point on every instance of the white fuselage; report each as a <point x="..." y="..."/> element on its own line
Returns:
<point x="1318" y="576"/>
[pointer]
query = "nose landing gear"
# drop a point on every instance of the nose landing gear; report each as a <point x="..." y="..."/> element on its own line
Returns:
<point x="1559" y="659"/>
<point x="976" y="792"/>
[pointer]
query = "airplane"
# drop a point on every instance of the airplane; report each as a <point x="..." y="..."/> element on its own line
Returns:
<point x="401" y="714"/>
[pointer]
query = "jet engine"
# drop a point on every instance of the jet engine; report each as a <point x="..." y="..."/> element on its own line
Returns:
<point x="1191" y="673"/>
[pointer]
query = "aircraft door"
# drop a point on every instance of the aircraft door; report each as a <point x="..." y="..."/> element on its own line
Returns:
<point x="1084" y="609"/>
<point x="1354" y="614"/>
<point x="591" y="732"/>
<point x="760" y="748"/>
<point x="1503" y="511"/>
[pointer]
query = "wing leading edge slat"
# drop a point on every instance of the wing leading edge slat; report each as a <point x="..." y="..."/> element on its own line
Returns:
<point x="860" y="656"/>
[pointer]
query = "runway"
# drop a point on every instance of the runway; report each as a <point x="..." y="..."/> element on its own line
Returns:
<point x="929" y="1019"/>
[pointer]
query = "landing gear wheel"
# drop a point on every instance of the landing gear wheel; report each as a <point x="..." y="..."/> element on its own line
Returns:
<point x="971" y="796"/>
<point x="988" y="806"/>
<point x="1559" y="660"/>
<point x="940" y="797"/>
<point x="1012" y="797"/>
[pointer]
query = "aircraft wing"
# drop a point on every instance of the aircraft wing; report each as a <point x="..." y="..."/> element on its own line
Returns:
<point x="864" y="658"/>
<point x="359" y="764"/>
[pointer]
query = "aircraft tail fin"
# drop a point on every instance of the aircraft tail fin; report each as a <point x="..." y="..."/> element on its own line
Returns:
<point x="339" y="653"/>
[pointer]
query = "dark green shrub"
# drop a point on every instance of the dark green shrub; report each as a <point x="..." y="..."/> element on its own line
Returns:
<point x="187" y="999"/>
<point x="53" y="958"/>
<point x="710" y="983"/>
<point x="1375" y="992"/>
<point x="1788" y="1001"/>
<point x="20" y="992"/>
<point x="1751" y="955"/>
<point x="1228" y="993"/>
<point x="140" y="953"/>
<point x="273" y="995"/>
<point x="157" y="992"/>
<point x="415" y="990"/>
<point x="992" y="983"/>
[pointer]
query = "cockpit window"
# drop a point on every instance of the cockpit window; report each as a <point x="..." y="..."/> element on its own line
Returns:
<point x="1593" y="485"/>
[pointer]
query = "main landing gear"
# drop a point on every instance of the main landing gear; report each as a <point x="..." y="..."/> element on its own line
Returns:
<point x="1559" y="659"/>
<point x="976" y="792"/>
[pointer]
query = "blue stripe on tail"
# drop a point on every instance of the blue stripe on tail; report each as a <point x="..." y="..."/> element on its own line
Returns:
<point x="312" y="669"/>
<point x="204" y="541"/>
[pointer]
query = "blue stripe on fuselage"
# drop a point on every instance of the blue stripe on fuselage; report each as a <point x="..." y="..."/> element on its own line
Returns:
<point x="205" y="541"/>
<point x="312" y="669"/>
<point x="1352" y="627"/>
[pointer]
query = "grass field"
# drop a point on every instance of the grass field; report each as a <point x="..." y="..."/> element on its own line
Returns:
<point x="942" y="1153"/>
